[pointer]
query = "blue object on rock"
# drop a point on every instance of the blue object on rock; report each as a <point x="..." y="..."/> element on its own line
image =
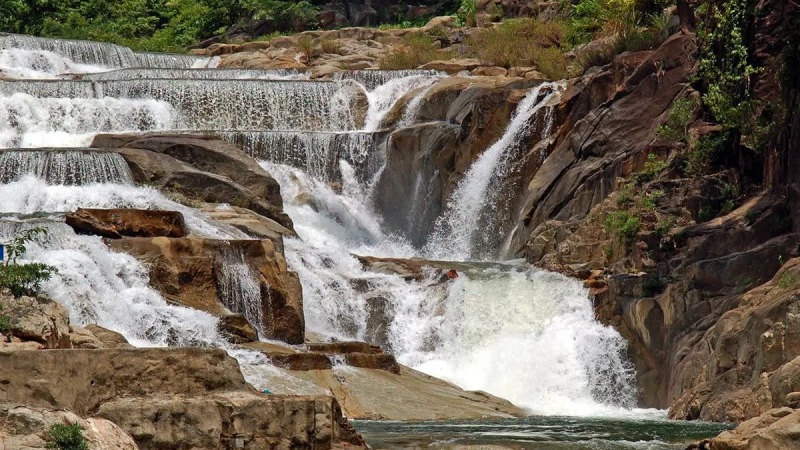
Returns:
<point x="266" y="391"/>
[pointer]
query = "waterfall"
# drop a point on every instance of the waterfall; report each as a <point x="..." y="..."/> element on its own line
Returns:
<point x="457" y="229"/>
<point x="26" y="121"/>
<point x="64" y="166"/>
<point x="100" y="53"/>
<point x="184" y="74"/>
<point x="520" y="333"/>
<point x="371" y="79"/>
<point x="382" y="98"/>
<point x="239" y="287"/>
<point x="40" y="64"/>
<point x="317" y="153"/>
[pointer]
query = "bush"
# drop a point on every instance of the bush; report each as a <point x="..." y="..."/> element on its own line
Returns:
<point x="622" y="225"/>
<point x="698" y="161"/>
<point x="467" y="14"/>
<point x="24" y="279"/>
<point x="67" y="437"/>
<point x="306" y="46"/>
<point x="652" y="168"/>
<point x="415" y="50"/>
<point x="329" y="45"/>
<point x="676" y="128"/>
<point x="5" y="325"/>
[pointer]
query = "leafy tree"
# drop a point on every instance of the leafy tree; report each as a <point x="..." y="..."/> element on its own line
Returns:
<point x="24" y="279"/>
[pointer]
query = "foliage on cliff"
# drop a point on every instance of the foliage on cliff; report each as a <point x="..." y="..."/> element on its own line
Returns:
<point x="26" y="278"/>
<point x="159" y="25"/>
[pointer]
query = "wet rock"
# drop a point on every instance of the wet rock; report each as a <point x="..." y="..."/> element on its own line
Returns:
<point x="200" y="167"/>
<point x="776" y="429"/>
<point x="191" y="272"/>
<point x="237" y="329"/>
<point x="115" y="223"/>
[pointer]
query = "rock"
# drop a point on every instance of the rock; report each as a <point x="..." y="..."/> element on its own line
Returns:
<point x="109" y="339"/>
<point x="115" y="223"/>
<point x="490" y="71"/>
<point x="793" y="399"/>
<point x="439" y="22"/>
<point x="343" y="347"/>
<point x="36" y="319"/>
<point x="192" y="272"/>
<point x="170" y="398"/>
<point x="200" y="167"/>
<point x="776" y="429"/>
<point x="452" y="66"/>
<point x="237" y="329"/>
<point x="83" y="338"/>
<point x="255" y="225"/>
<point x="28" y="428"/>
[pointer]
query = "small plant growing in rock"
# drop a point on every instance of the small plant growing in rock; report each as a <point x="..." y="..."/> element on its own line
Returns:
<point x="680" y="117"/>
<point x="622" y="225"/>
<point x="24" y="279"/>
<point x="652" y="168"/>
<point x="5" y="325"/>
<point x="67" y="436"/>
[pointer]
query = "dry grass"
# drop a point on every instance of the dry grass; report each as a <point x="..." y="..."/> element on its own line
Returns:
<point x="332" y="46"/>
<point x="306" y="45"/>
<point x="523" y="42"/>
<point x="414" y="51"/>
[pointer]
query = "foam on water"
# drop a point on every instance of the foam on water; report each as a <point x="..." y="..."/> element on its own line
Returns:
<point x="40" y="64"/>
<point x="525" y="335"/>
<point x="27" y="121"/>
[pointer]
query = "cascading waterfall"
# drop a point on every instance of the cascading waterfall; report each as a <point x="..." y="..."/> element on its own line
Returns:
<point x="317" y="153"/>
<point x="239" y="287"/>
<point x="206" y="74"/>
<point x="27" y="121"/>
<point x="457" y="229"/>
<point x="526" y="335"/>
<point x="382" y="98"/>
<point x="64" y="166"/>
<point x="371" y="79"/>
<point x="223" y="104"/>
<point x="101" y="53"/>
<point x="17" y="63"/>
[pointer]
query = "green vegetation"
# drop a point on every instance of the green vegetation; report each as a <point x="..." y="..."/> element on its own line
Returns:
<point x="787" y="281"/>
<point x="663" y="228"/>
<point x="702" y="152"/>
<point x="5" y="324"/>
<point x="652" y="167"/>
<point x="67" y="436"/>
<point x="467" y="13"/>
<point x="623" y="226"/>
<point x="680" y="117"/>
<point x="24" y="279"/>
<point x="650" y="199"/>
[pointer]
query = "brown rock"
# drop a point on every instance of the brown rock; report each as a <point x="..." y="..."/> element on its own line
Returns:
<point x="191" y="272"/>
<point x="115" y="223"/>
<point x="83" y="338"/>
<point x="490" y="71"/>
<point x="452" y="66"/>
<point x="109" y="339"/>
<point x="776" y="429"/>
<point x="237" y="329"/>
<point x="36" y="319"/>
<point x="28" y="428"/>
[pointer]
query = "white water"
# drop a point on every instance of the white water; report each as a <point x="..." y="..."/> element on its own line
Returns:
<point x="457" y="227"/>
<point x="383" y="97"/>
<point x="27" y="121"/>
<point x="40" y="65"/>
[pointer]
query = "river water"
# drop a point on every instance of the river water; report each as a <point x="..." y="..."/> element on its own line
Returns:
<point x="522" y="334"/>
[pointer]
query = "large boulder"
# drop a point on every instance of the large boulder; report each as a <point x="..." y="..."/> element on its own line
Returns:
<point x="201" y="167"/>
<point x="776" y="429"/>
<point x="36" y="319"/>
<point x="249" y="277"/>
<point x="115" y="223"/>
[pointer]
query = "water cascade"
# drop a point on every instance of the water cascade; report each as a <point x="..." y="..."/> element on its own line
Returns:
<point x="317" y="153"/>
<point x="456" y="235"/>
<point x="205" y="74"/>
<point x="527" y="335"/>
<point x="64" y="166"/>
<point x="16" y="63"/>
